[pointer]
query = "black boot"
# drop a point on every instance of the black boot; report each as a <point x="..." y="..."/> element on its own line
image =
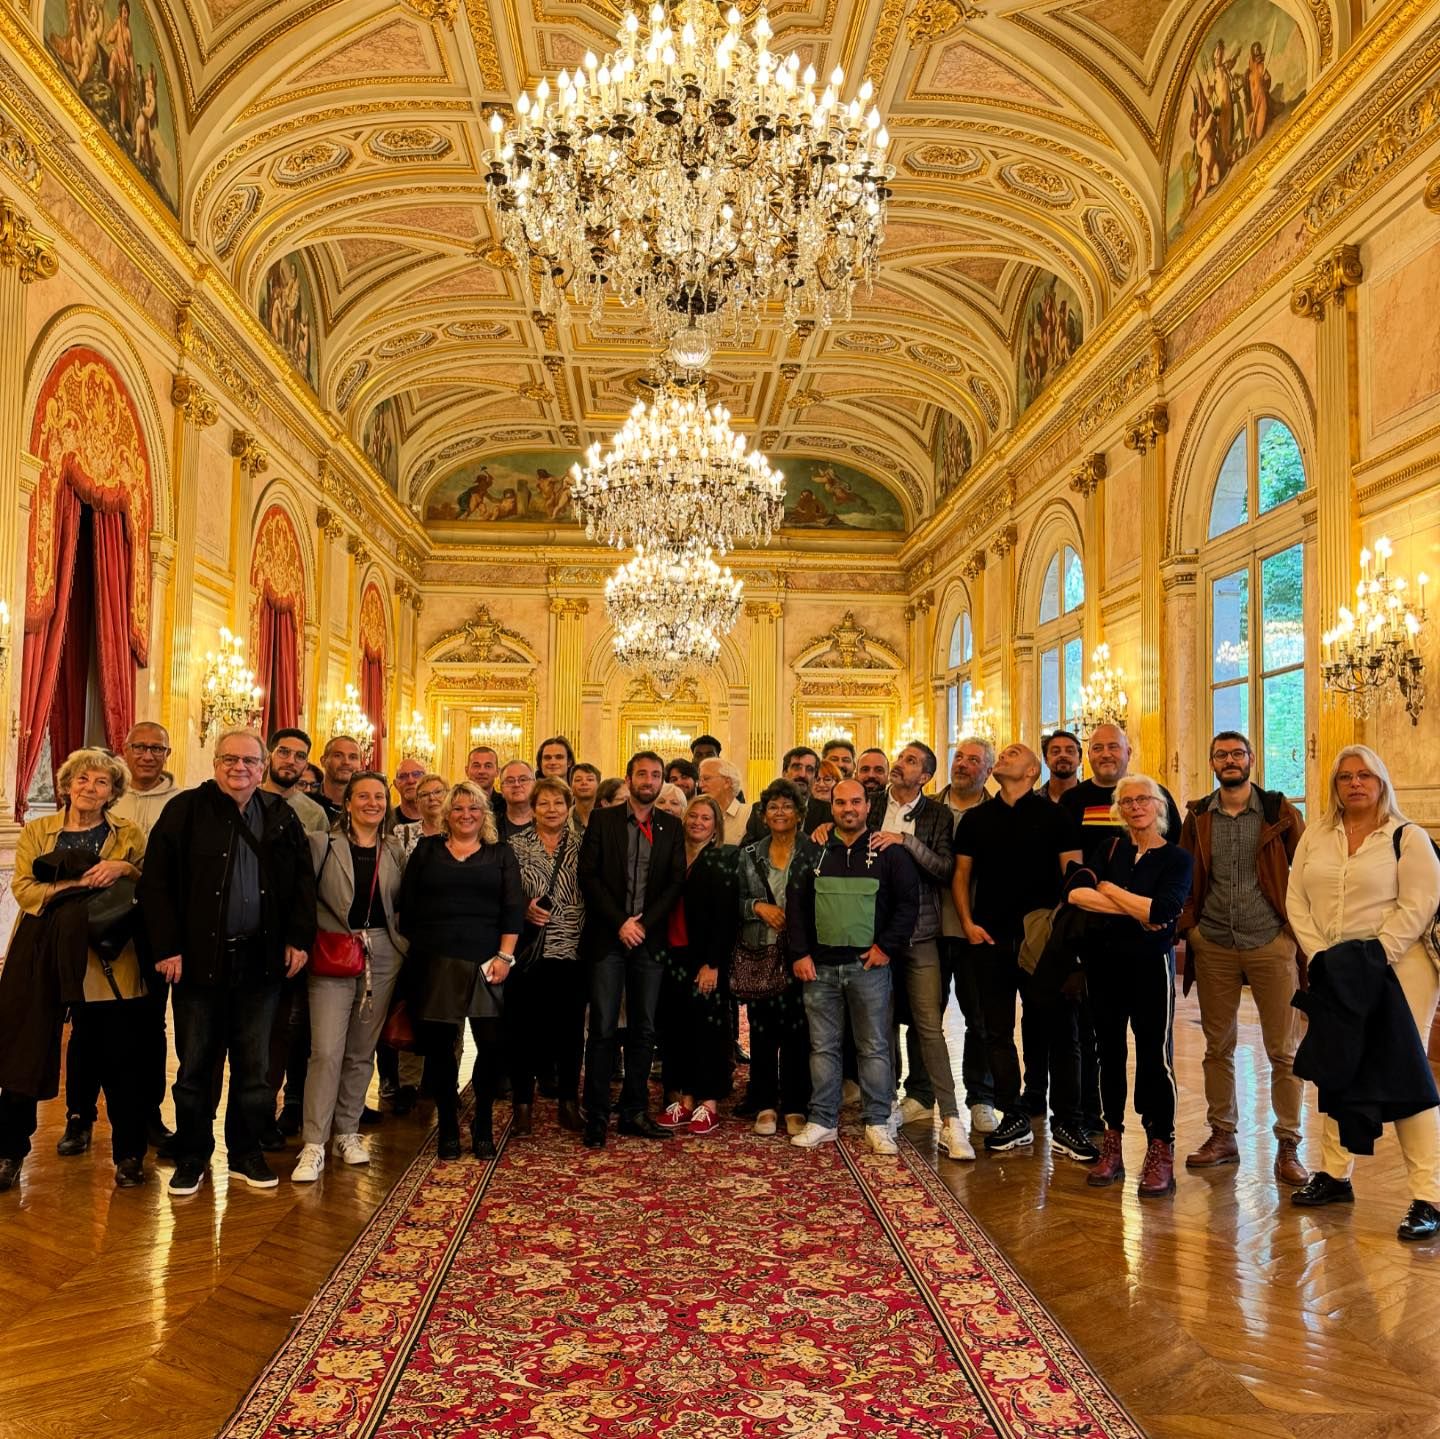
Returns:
<point x="482" y="1133"/>
<point x="76" y="1139"/>
<point x="447" y="1139"/>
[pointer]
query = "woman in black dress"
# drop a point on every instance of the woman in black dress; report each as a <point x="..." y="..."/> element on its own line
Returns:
<point x="461" y="907"/>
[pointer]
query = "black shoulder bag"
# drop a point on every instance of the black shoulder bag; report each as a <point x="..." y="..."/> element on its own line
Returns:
<point x="532" y="940"/>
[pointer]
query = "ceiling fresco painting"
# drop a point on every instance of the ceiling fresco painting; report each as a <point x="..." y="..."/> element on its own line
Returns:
<point x="526" y="485"/>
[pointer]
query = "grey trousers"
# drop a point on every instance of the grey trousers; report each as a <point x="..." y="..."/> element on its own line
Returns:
<point x="344" y="1031"/>
<point x="918" y="970"/>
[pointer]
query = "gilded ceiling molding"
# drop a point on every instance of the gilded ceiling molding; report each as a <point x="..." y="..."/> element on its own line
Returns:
<point x="1092" y="469"/>
<point x="1146" y="428"/>
<point x="1000" y="501"/>
<point x="482" y="37"/>
<point x="408" y="144"/>
<point x="882" y="42"/>
<point x="198" y="407"/>
<point x="1333" y="274"/>
<point x="439" y="12"/>
<point x="1431" y="194"/>
<point x="932" y="20"/>
<point x="24" y="249"/>
<point x="1143" y="372"/>
<point x="196" y="342"/>
<point x="245" y="448"/>
<point x="18" y="155"/>
<point x="1325" y="27"/>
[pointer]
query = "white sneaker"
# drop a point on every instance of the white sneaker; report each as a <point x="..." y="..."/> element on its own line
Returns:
<point x="849" y="1092"/>
<point x="983" y="1119"/>
<point x="954" y="1141"/>
<point x="766" y="1122"/>
<point x="911" y="1110"/>
<point x="879" y="1138"/>
<point x="309" y="1164"/>
<point x="352" y="1149"/>
<point x="794" y="1123"/>
<point x="897" y="1118"/>
<point x="814" y="1135"/>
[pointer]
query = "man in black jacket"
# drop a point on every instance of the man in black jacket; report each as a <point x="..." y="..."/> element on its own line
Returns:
<point x="800" y="766"/>
<point x="632" y="864"/>
<point x="228" y="899"/>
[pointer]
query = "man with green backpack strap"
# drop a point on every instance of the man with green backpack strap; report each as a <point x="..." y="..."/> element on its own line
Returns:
<point x="846" y="917"/>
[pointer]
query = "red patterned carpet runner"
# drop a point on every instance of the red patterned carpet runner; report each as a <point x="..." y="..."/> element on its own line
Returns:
<point x="715" y="1288"/>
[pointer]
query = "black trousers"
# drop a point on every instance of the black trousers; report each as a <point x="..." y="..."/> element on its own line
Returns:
<point x="116" y="1035"/>
<point x="1001" y="980"/>
<point x="442" y="1069"/>
<point x="544" y="1026"/>
<point x="697" y="1046"/>
<point x="1136" y="993"/>
<point x="290" y="1042"/>
<point x="83" y="1068"/>
<point x="1034" y="1042"/>
<point x="780" y="1052"/>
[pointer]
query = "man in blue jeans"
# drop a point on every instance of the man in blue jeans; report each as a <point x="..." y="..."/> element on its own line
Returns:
<point x="845" y="918"/>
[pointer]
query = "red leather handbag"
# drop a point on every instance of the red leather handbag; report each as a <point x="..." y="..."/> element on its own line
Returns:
<point x="340" y="954"/>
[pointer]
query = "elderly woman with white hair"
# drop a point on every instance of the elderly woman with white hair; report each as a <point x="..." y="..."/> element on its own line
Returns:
<point x="61" y="860"/>
<point x="1135" y="885"/>
<point x="1363" y="871"/>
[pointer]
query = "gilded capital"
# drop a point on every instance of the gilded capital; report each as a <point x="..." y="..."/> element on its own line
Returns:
<point x="974" y="566"/>
<point x="328" y="522"/>
<point x="1333" y="274"/>
<point x="1086" y="479"/>
<point x="442" y="12"/>
<point x="21" y="248"/>
<point x="763" y="609"/>
<point x="198" y="407"/>
<point x="1004" y="542"/>
<point x="568" y="607"/>
<point x="1146" y="428"/>
<point x="245" y="448"/>
<point x="18" y="155"/>
<point x="356" y="546"/>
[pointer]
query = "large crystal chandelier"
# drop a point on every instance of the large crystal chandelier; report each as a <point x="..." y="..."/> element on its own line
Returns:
<point x="670" y="610"/>
<point x="677" y="474"/>
<point x="229" y="696"/>
<point x="694" y="174"/>
<point x="1102" y="698"/>
<point x="415" y="741"/>
<point x="498" y="732"/>
<point x="665" y="738"/>
<point x="348" y="718"/>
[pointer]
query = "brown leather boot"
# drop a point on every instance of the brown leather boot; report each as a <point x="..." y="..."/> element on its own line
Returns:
<point x="1288" y="1169"/>
<point x="1219" y="1149"/>
<point x="1157" y="1174"/>
<point x="522" y="1121"/>
<point x="1111" y="1167"/>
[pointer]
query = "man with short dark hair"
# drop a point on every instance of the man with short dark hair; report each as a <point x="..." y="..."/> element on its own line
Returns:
<point x="841" y="952"/>
<point x="482" y="767"/>
<point x="631" y="867"/>
<point x="684" y="775"/>
<point x="517" y="784"/>
<point x="841" y="752"/>
<point x="408" y="774"/>
<point x="288" y="759"/>
<point x="872" y="769"/>
<point x="151" y="786"/>
<point x="339" y="763"/>
<point x="800" y="766"/>
<point x="1061" y="752"/>
<point x="554" y="758"/>
<point x="1236" y="932"/>
<point x="228" y="899"/>
<point x="704" y="746"/>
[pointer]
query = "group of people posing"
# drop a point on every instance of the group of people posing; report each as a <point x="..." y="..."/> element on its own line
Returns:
<point x="578" y="925"/>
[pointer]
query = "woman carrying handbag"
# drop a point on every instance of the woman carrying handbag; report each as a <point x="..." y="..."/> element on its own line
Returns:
<point x="352" y="972"/>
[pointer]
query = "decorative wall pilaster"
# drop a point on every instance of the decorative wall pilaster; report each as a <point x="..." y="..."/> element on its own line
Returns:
<point x="1185" y="696"/>
<point x="249" y="462"/>
<point x="25" y="257"/>
<point x="318" y="639"/>
<point x="1007" y="710"/>
<point x="567" y="650"/>
<point x="765" y="622"/>
<point x="1146" y="436"/>
<point x="1085" y="482"/>
<point x="1327" y="296"/>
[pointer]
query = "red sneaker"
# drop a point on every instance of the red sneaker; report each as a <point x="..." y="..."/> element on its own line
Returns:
<point x="675" y="1116"/>
<point x="704" y="1120"/>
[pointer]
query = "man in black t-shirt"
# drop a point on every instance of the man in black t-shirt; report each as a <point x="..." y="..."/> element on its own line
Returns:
<point x="1014" y="851"/>
<point x="1088" y="804"/>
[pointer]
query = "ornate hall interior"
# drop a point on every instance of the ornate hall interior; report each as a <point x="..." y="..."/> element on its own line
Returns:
<point x="1146" y="355"/>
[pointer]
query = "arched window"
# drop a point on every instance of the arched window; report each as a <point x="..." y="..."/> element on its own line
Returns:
<point x="1058" y="640"/>
<point x="1254" y="568"/>
<point x="960" y="682"/>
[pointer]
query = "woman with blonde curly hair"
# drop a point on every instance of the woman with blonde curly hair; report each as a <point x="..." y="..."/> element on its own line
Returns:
<point x="61" y="861"/>
<point x="461" y="908"/>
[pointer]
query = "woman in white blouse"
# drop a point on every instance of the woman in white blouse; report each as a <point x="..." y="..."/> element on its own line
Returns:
<point x="1345" y="884"/>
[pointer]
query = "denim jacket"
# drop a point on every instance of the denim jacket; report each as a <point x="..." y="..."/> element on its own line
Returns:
<point x="752" y="884"/>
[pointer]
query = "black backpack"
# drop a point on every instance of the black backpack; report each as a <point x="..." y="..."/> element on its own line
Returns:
<point x="1432" y="935"/>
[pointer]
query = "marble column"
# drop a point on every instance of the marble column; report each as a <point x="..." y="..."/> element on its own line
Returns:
<point x="567" y="664"/>
<point x="1146" y="436"/>
<point x="766" y="638"/>
<point x="25" y="257"/>
<point x="1006" y="711"/>
<point x="1327" y="296"/>
<point x="1085" y="482"/>
<point x="195" y="412"/>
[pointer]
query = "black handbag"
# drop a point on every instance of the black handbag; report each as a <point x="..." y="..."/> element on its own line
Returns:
<point x="532" y="937"/>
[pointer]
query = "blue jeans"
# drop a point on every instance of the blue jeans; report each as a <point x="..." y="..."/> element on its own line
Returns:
<point x="866" y="994"/>
<point x="212" y="1021"/>
<point x="636" y="975"/>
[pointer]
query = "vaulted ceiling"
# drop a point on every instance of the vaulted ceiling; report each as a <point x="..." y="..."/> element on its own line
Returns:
<point x="1029" y="136"/>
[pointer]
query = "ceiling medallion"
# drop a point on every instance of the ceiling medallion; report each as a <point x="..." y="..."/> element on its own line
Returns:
<point x="670" y="609"/>
<point x="676" y="474"/>
<point x="695" y="175"/>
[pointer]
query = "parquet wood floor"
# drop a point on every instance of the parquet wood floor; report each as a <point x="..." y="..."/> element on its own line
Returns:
<point x="1222" y="1312"/>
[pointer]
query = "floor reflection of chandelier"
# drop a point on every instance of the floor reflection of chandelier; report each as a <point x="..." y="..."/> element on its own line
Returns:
<point x="676" y="473"/>
<point x="497" y="732"/>
<point x="665" y="739"/>
<point x="670" y="610"/>
<point x="347" y="718"/>
<point x="696" y="174"/>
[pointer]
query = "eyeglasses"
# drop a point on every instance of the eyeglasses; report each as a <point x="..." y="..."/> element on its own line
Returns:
<point x="518" y="779"/>
<point x="1132" y="800"/>
<point x="231" y="761"/>
<point x="1224" y="754"/>
<point x="285" y="752"/>
<point x="149" y="748"/>
<point x="431" y="793"/>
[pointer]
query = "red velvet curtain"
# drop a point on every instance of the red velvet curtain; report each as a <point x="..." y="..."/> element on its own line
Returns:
<point x="40" y="666"/>
<point x="372" y="701"/>
<point x="113" y="559"/>
<point x="67" y="712"/>
<point x="278" y="668"/>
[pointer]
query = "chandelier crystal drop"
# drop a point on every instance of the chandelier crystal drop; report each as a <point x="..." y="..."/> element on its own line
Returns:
<point x="677" y="474"/>
<point x="670" y="609"/>
<point x="697" y="175"/>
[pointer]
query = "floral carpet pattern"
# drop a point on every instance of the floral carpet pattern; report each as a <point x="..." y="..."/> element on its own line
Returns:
<point x="716" y="1288"/>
